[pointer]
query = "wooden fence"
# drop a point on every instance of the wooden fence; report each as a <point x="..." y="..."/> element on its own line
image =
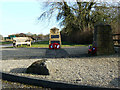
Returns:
<point x="116" y="40"/>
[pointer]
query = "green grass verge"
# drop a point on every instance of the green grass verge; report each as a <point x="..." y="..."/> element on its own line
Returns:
<point x="3" y="43"/>
<point x="45" y="44"/>
<point x="40" y="44"/>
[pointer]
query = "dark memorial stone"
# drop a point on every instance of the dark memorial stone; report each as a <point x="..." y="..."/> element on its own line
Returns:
<point x="38" y="67"/>
<point x="103" y="39"/>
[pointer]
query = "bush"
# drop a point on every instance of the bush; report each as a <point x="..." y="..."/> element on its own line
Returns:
<point x="78" y="37"/>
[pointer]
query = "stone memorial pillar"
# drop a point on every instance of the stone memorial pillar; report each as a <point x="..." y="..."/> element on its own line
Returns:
<point x="103" y="39"/>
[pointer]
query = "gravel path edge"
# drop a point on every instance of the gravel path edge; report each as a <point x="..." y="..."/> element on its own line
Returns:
<point x="44" y="83"/>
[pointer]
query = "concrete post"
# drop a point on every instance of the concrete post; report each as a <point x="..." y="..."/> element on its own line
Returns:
<point x="103" y="39"/>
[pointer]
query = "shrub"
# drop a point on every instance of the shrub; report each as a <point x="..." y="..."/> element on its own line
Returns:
<point x="78" y="37"/>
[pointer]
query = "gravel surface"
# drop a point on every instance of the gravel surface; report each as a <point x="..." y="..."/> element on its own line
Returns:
<point x="101" y="71"/>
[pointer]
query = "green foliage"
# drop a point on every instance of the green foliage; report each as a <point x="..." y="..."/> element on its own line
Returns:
<point x="81" y="17"/>
<point x="79" y="37"/>
<point x="3" y="43"/>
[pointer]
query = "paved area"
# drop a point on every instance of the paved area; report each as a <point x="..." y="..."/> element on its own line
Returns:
<point x="34" y="53"/>
<point x="6" y="45"/>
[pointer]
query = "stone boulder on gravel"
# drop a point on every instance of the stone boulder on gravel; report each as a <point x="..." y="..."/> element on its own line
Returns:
<point x="38" y="67"/>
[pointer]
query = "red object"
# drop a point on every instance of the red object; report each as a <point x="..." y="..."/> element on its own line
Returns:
<point x="89" y="51"/>
<point x="51" y="46"/>
<point x="54" y="46"/>
<point x="92" y="50"/>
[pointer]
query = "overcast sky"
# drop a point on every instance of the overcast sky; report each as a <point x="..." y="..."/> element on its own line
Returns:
<point x="20" y="16"/>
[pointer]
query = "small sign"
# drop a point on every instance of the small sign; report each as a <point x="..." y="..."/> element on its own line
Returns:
<point x="54" y="37"/>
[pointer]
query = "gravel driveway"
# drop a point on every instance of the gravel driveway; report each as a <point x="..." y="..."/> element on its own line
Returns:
<point x="93" y="71"/>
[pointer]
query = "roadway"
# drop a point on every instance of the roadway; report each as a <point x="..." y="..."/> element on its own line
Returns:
<point x="36" y="53"/>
